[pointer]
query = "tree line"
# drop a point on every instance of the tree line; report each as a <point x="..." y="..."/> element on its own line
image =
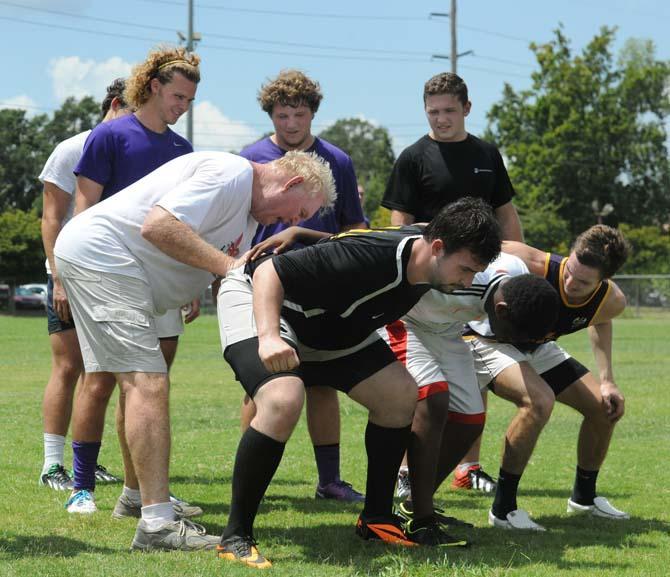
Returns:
<point x="586" y="143"/>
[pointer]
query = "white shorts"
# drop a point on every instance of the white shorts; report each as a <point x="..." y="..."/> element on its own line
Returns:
<point x="169" y="324"/>
<point x="491" y="358"/>
<point x="439" y="363"/>
<point x="115" y="323"/>
<point x="234" y="310"/>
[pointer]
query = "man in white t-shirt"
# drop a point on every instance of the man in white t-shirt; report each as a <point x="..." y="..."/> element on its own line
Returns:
<point x="58" y="203"/>
<point x="150" y="248"/>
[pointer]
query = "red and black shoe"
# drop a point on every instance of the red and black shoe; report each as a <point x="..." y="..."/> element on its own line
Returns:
<point x="386" y="528"/>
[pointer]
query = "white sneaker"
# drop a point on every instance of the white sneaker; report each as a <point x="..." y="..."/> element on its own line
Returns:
<point x="82" y="502"/>
<point x="601" y="508"/>
<point x="518" y="520"/>
<point x="403" y="489"/>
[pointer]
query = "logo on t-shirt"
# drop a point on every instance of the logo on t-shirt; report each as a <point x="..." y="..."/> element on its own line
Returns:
<point x="578" y="322"/>
<point x="478" y="170"/>
<point x="233" y="248"/>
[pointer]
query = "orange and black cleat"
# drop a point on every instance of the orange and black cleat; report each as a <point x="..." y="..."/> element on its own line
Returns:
<point x="242" y="550"/>
<point x="387" y="529"/>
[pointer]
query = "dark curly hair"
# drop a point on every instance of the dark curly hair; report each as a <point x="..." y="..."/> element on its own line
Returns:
<point x="114" y="90"/>
<point x="532" y="305"/>
<point x="446" y="83"/>
<point x="290" y="88"/>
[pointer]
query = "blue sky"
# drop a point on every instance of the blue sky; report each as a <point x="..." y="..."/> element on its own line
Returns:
<point x="371" y="58"/>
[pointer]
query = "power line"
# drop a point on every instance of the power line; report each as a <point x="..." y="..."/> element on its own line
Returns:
<point x="84" y="30"/>
<point x="325" y="15"/>
<point x="232" y="37"/>
<point x="91" y="18"/>
<point x="288" y="13"/>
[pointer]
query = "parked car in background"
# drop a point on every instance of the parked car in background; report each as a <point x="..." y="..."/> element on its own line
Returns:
<point x="30" y="296"/>
<point x="38" y="289"/>
<point x="4" y="295"/>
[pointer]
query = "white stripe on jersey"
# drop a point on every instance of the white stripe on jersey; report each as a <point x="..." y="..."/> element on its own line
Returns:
<point x="398" y="279"/>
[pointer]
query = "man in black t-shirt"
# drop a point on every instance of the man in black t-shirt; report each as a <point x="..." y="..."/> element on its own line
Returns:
<point x="316" y="312"/>
<point x="447" y="164"/>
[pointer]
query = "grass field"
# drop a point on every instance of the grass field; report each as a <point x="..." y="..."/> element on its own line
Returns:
<point x="305" y="537"/>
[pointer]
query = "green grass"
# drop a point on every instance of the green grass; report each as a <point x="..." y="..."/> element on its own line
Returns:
<point x="305" y="537"/>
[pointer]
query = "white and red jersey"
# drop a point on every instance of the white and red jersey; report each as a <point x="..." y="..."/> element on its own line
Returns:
<point x="445" y="314"/>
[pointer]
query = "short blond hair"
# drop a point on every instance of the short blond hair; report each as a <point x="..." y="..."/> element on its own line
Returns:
<point x="315" y="171"/>
<point x="161" y="63"/>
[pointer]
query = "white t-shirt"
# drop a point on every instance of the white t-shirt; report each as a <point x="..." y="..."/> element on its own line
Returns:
<point x="444" y="314"/>
<point x="59" y="167"/>
<point x="208" y="191"/>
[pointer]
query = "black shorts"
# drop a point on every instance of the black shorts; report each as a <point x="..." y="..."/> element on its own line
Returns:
<point x="54" y="324"/>
<point x="562" y="376"/>
<point x="342" y="374"/>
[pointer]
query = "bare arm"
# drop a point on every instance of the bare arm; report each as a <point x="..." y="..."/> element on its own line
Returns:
<point x="274" y="352"/>
<point x="509" y="222"/>
<point x="178" y="241"/>
<point x="534" y="258"/>
<point x="285" y="239"/>
<point x="55" y="204"/>
<point x="600" y="335"/>
<point x="400" y="218"/>
<point x="88" y="193"/>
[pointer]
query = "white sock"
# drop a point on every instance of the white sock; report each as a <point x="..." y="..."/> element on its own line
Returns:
<point x="133" y="495"/>
<point x="465" y="466"/>
<point x="54" y="445"/>
<point x="155" y="516"/>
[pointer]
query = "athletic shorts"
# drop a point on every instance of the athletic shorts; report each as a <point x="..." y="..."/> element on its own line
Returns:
<point x="339" y="369"/>
<point x="439" y="363"/>
<point x="170" y="324"/>
<point x="114" y="318"/>
<point x="549" y="361"/>
<point x="54" y="324"/>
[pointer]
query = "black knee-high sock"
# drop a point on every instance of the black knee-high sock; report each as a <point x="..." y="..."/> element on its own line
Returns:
<point x="505" y="500"/>
<point x="385" y="448"/>
<point x="256" y="462"/>
<point x="584" y="490"/>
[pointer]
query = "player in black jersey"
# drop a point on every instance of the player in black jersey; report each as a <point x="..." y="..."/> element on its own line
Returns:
<point x="316" y="312"/>
<point x="534" y="381"/>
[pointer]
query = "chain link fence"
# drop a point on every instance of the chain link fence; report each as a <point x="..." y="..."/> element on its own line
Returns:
<point x="645" y="292"/>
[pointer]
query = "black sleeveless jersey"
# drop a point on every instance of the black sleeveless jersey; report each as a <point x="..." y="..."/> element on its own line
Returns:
<point x="340" y="290"/>
<point x="572" y="318"/>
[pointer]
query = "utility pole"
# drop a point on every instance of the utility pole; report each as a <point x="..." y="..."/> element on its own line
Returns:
<point x="191" y="39"/>
<point x="454" y="44"/>
<point x="454" y="49"/>
<point x="189" y="48"/>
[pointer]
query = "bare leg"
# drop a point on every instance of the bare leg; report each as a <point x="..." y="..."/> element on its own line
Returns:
<point x="473" y="453"/>
<point x="66" y="367"/>
<point x="430" y="419"/>
<point x="596" y="429"/>
<point x="521" y="385"/>
<point x="147" y="428"/>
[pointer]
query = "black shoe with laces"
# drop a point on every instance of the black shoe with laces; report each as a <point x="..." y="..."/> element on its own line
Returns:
<point x="428" y="532"/>
<point x="242" y="550"/>
<point x="406" y="511"/>
<point x="104" y="476"/>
